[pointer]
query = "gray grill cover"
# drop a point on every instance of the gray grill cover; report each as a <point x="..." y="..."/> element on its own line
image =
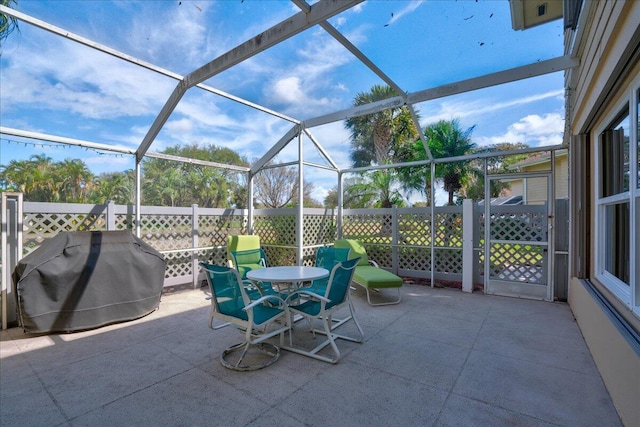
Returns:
<point x="86" y="279"/>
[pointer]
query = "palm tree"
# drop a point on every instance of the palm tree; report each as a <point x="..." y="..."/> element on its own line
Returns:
<point x="8" y="24"/>
<point x="39" y="182"/>
<point x="375" y="137"/>
<point x="379" y="138"/>
<point x="116" y="186"/>
<point x="473" y="181"/>
<point x="75" y="180"/>
<point x="445" y="139"/>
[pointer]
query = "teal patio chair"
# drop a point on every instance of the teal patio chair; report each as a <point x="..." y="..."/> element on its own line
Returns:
<point x="323" y="306"/>
<point x="368" y="274"/>
<point x="327" y="257"/>
<point x="258" y="320"/>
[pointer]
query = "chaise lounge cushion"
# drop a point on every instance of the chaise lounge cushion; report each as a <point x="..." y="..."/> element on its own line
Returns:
<point x="374" y="277"/>
<point x="368" y="275"/>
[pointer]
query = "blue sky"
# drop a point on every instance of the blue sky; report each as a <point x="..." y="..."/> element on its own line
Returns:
<point x="52" y="85"/>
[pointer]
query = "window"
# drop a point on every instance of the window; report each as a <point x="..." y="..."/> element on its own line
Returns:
<point x="618" y="200"/>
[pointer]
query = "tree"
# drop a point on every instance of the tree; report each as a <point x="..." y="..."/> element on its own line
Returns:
<point x="32" y="178"/>
<point x="364" y="191"/>
<point x="170" y="183"/>
<point x="75" y="181"/>
<point x="445" y="139"/>
<point x="277" y="187"/>
<point x="8" y="24"/>
<point x="378" y="136"/>
<point x="118" y="187"/>
<point x="473" y="181"/>
<point x="40" y="179"/>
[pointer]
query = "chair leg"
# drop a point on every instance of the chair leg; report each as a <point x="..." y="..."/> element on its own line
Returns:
<point x="397" y="301"/>
<point x="215" y="328"/>
<point x="326" y="321"/>
<point x="333" y="326"/>
<point x="267" y="349"/>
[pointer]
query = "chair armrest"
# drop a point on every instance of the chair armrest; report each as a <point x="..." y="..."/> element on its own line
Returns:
<point x="259" y="301"/>
<point x="310" y="294"/>
<point x="375" y="264"/>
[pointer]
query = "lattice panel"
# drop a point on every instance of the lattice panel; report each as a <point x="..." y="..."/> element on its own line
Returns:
<point x="125" y="221"/>
<point x="214" y="230"/>
<point x="276" y="230"/>
<point x="167" y="232"/>
<point x="448" y="261"/>
<point x="380" y="254"/>
<point x="38" y="227"/>
<point x="414" y="229"/>
<point x="517" y="263"/>
<point x="478" y="230"/>
<point x="319" y="229"/>
<point x="217" y="256"/>
<point x="178" y="264"/>
<point x="280" y="256"/>
<point x="448" y="228"/>
<point x="480" y="264"/>
<point x="522" y="226"/>
<point x="309" y="256"/>
<point x="415" y="259"/>
<point x="368" y="227"/>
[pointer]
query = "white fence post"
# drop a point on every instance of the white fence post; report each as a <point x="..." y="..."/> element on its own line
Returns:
<point x="467" y="245"/>
<point x="111" y="215"/>
<point x="195" y="241"/>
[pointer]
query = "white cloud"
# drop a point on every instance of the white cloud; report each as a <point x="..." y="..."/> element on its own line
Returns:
<point x="461" y="107"/>
<point x="534" y="130"/>
<point x="80" y="81"/>
<point x="307" y="87"/>
<point x="183" y="32"/>
<point x="410" y="7"/>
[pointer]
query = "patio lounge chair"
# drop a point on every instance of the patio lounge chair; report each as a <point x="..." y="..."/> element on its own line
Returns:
<point x="316" y="306"/>
<point x="368" y="274"/>
<point x="230" y="303"/>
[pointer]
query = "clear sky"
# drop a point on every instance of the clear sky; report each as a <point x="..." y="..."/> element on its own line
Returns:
<point x="56" y="86"/>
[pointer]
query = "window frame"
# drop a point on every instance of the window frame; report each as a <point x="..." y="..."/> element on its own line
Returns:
<point x="628" y="294"/>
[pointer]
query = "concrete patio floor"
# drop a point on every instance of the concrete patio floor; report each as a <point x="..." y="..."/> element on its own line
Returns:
<point x="439" y="358"/>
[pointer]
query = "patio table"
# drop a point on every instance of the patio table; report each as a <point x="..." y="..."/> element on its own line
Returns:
<point x="290" y="274"/>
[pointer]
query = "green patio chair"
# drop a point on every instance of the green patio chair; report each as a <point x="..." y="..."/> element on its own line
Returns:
<point x="323" y="306"/>
<point x="368" y="274"/>
<point x="258" y="320"/>
<point x="241" y="242"/>
<point x="252" y="259"/>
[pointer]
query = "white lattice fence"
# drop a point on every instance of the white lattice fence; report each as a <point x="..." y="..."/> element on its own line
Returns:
<point x="448" y="243"/>
<point x="511" y="260"/>
<point x="277" y="231"/>
<point x="400" y="239"/>
<point x="58" y="218"/>
<point x="414" y="230"/>
<point x="214" y="229"/>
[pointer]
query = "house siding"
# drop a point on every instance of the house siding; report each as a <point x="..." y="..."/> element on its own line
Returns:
<point x="596" y="87"/>
<point x="537" y="190"/>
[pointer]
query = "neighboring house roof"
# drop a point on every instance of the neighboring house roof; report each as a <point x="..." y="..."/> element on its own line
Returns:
<point x="538" y="158"/>
<point x="506" y="200"/>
